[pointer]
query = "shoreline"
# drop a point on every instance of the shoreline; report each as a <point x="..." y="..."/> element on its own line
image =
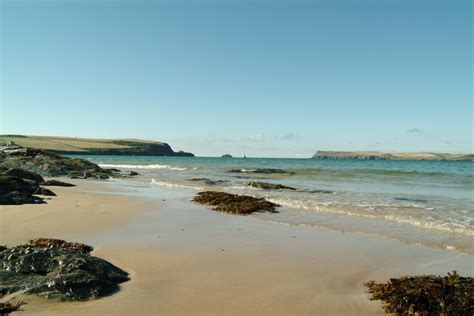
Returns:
<point x="186" y="259"/>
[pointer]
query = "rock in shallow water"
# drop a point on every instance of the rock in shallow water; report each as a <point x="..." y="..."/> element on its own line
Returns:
<point x="58" y="269"/>
<point x="262" y="171"/>
<point x="269" y="186"/>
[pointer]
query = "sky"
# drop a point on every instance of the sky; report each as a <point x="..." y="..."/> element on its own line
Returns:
<point x="268" y="78"/>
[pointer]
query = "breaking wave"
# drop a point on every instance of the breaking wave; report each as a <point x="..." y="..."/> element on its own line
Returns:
<point x="153" y="166"/>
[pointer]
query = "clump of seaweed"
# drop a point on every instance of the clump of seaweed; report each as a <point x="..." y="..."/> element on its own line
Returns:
<point x="426" y="295"/>
<point x="58" y="243"/>
<point x="233" y="203"/>
<point x="8" y="307"/>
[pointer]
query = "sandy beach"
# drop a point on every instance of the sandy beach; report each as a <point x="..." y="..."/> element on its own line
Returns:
<point x="186" y="259"/>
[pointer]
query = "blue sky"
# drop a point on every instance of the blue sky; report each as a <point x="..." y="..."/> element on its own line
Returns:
<point x="269" y="78"/>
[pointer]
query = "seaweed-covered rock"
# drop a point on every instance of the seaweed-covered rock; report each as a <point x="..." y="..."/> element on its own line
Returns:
<point x="57" y="243"/>
<point x="58" y="269"/>
<point x="426" y="295"/>
<point x="269" y="186"/>
<point x="233" y="203"/>
<point x="56" y="183"/>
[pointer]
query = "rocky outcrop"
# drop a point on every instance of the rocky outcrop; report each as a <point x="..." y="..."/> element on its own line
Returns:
<point x="269" y="186"/>
<point x="233" y="203"/>
<point x="46" y="163"/>
<point x="57" y="269"/>
<point x="19" y="186"/>
<point x="375" y="155"/>
<point x="15" y="191"/>
<point x="23" y="174"/>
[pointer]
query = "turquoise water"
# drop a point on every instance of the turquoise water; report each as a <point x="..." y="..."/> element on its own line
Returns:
<point x="422" y="202"/>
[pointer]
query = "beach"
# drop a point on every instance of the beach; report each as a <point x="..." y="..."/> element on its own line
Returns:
<point x="185" y="258"/>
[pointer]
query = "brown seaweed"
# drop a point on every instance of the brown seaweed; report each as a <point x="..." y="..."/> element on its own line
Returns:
<point x="425" y="295"/>
<point x="58" y="243"/>
<point x="233" y="203"/>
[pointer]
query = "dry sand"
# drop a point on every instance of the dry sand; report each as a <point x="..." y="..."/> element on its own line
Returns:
<point x="186" y="259"/>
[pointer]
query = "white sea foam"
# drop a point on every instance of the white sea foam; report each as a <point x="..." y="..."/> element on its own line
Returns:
<point x="152" y="166"/>
<point x="174" y="185"/>
<point x="425" y="223"/>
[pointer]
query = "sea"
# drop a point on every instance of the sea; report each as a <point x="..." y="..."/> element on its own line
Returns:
<point x="428" y="203"/>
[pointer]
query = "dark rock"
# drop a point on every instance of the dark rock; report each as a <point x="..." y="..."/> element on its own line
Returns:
<point x="58" y="269"/>
<point x="18" y="198"/>
<point x="209" y="181"/>
<point x="261" y="171"/>
<point x="20" y="173"/>
<point x="8" y="307"/>
<point x="56" y="183"/>
<point x="15" y="191"/>
<point x="112" y="170"/>
<point x="269" y="186"/>
<point x="44" y="191"/>
<point x="215" y="182"/>
<point x="233" y="203"/>
<point x="321" y="191"/>
<point x="134" y="173"/>
<point x="410" y="200"/>
<point x="226" y="156"/>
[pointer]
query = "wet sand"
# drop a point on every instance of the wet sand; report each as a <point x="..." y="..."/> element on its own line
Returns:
<point x="186" y="259"/>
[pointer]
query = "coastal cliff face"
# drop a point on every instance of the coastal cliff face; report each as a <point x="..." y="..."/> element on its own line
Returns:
<point x="375" y="155"/>
<point x="87" y="146"/>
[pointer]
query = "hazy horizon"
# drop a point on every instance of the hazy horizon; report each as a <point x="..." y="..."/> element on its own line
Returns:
<point x="271" y="79"/>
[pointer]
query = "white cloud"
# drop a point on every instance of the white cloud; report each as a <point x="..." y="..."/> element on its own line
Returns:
<point x="256" y="138"/>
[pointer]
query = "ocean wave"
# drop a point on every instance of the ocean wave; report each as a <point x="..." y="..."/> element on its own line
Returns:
<point x="174" y="185"/>
<point x="151" y="166"/>
<point x="450" y="227"/>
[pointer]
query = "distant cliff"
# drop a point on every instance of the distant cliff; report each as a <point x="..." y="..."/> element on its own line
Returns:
<point x="87" y="146"/>
<point x="375" y="155"/>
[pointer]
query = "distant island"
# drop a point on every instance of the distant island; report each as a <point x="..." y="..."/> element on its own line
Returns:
<point x="226" y="156"/>
<point x="376" y="155"/>
<point x="88" y="146"/>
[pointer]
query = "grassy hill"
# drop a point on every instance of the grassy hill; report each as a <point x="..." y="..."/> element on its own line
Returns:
<point x="89" y="146"/>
